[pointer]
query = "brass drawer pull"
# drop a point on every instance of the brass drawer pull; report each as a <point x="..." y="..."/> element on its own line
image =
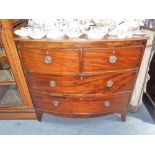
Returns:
<point x="109" y="83"/>
<point x="48" y="59"/>
<point x="55" y="103"/>
<point x="107" y="103"/>
<point x="112" y="59"/>
<point x="52" y="83"/>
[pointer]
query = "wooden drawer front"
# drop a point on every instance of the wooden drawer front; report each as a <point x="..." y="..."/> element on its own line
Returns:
<point x="99" y="59"/>
<point x="61" y="60"/>
<point x="90" y="84"/>
<point x="90" y="104"/>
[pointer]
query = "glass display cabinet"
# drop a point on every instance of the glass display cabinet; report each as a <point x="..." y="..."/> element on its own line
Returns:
<point x="9" y="93"/>
<point x="15" y="101"/>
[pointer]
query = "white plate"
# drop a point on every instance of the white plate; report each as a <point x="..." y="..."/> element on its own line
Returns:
<point x="21" y="33"/>
<point x="38" y="35"/>
<point x="138" y="33"/>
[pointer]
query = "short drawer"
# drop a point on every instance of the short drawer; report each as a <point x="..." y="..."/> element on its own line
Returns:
<point x="111" y="59"/>
<point x="48" y="61"/>
<point x="88" y="84"/>
<point x="75" y="104"/>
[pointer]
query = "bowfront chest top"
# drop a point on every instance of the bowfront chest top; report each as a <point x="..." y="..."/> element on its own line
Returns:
<point x="81" y="78"/>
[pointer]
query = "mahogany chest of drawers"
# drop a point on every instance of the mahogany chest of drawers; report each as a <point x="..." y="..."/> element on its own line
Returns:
<point x="81" y="78"/>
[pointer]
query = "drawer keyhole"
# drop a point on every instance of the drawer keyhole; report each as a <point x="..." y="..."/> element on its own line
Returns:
<point x="55" y="103"/>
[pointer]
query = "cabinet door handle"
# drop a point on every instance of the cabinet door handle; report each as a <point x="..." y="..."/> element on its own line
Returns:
<point x="109" y="83"/>
<point x="107" y="103"/>
<point x="52" y="83"/>
<point x="55" y="103"/>
<point x="48" y="59"/>
<point x="113" y="59"/>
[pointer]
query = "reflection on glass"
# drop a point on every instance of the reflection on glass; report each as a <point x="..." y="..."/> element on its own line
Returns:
<point x="9" y="95"/>
<point x="6" y="75"/>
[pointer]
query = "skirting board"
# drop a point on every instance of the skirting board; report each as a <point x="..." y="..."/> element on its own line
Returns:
<point x="18" y="115"/>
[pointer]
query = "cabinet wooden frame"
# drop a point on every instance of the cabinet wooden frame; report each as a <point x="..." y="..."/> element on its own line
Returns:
<point x="26" y="109"/>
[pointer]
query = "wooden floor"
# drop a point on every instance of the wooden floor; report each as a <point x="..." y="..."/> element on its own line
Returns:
<point x="139" y="123"/>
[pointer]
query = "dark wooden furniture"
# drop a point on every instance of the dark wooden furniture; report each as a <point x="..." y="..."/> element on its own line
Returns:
<point x="15" y="100"/>
<point x="151" y="83"/>
<point x="81" y="78"/>
<point x="149" y="95"/>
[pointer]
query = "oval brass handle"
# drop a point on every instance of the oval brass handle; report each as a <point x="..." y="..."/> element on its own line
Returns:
<point x="52" y="83"/>
<point x="112" y="59"/>
<point x="48" y="59"/>
<point x="109" y="83"/>
<point x="107" y="103"/>
<point x="55" y="103"/>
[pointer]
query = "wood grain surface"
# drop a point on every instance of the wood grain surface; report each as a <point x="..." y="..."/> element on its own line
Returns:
<point x="73" y="104"/>
<point x="88" y="84"/>
<point x="80" y="43"/>
<point x="62" y="60"/>
<point x="80" y="70"/>
<point x="98" y="59"/>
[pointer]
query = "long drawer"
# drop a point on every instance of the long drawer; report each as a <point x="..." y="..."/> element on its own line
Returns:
<point x="111" y="59"/>
<point x="76" y="104"/>
<point x="56" y="60"/>
<point x="88" y="84"/>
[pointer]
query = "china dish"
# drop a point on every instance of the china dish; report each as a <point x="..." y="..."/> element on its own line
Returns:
<point x="38" y="35"/>
<point x="23" y="32"/>
<point x="73" y="35"/>
<point x="75" y="28"/>
<point x="54" y="35"/>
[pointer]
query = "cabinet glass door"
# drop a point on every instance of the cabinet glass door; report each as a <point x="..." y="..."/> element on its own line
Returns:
<point x="9" y="93"/>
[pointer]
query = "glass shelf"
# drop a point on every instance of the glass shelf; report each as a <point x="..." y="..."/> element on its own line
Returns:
<point x="9" y="95"/>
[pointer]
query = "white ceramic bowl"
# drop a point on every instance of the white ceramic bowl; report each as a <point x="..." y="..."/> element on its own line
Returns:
<point x="121" y="35"/>
<point x="55" y="35"/>
<point x="129" y="34"/>
<point x="73" y="35"/>
<point x="94" y="35"/>
<point x="37" y="35"/>
<point x="138" y="32"/>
